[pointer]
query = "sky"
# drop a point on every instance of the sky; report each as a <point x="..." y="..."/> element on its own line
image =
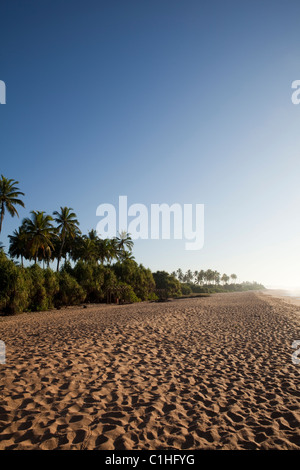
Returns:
<point x="164" y="102"/>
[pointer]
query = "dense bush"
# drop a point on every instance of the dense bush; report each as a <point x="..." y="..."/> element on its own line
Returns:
<point x="125" y="293"/>
<point x="34" y="288"/>
<point x="51" y="283"/>
<point x="38" y="293"/>
<point x="137" y="276"/>
<point x="91" y="279"/>
<point x="166" y="285"/>
<point x="70" y="292"/>
<point x="186" y="289"/>
<point x="14" y="287"/>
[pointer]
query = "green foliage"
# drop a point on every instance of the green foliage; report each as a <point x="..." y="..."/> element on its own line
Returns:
<point x="91" y="278"/>
<point x="166" y="285"/>
<point x="153" y="297"/>
<point x="137" y="276"/>
<point x="186" y="289"/>
<point x="9" y="198"/>
<point x="196" y="289"/>
<point x="145" y="284"/>
<point x="51" y="284"/>
<point x="126" y="293"/>
<point x="14" y="287"/>
<point x="38" y="293"/>
<point x="44" y="285"/>
<point x="70" y="292"/>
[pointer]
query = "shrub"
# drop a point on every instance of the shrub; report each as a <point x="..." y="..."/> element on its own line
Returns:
<point x="137" y="276"/>
<point x="126" y="293"/>
<point x="38" y="294"/>
<point x="166" y="285"/>
<point x="14" y="287"/>
<point x="91" y="279"/>
<point x="51" y="283"/>
<point x="186" y="289"/>
<point x="152" y="297"/>
<point x="70" y="292"/>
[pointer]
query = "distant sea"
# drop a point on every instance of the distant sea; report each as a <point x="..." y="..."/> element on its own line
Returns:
<point x="295" y="294"/>
<point x="292" y="292"/>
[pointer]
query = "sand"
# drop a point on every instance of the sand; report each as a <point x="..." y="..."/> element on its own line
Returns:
<point x="282" y="294"/>
<point x="204" y="373"/>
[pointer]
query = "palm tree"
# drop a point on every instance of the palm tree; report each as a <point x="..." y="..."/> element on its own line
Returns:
<point x="67" y="227"/>
<point x="127" y="255"/>
<point x="89" y="253"/>
<point x="40" y="233"/>
<point x="106" y="249"/>
<point x="225" y="278"/>
<point x="18" y="244"/>
<point x="85" y="247"/>
<point x="92" y="235"/>
<point x="233" y="277"/>
<point x="76" y="248"/>
<point x="200" y="276"/>
<point x="217" y="277"/>
<point x="123" y="242"/>
<point x="9" y="198"/>
<point x="209" y="275"/>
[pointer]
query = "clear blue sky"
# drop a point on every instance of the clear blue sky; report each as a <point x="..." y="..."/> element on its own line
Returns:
<point x="162" y="101"/>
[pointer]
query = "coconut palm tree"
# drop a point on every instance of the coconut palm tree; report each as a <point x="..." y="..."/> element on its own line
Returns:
<point x="76" y="248"/>
<point x="209" y="275"/>
<point x="9" y="198"/>
<point x="106" y="250"/>
<point x="127" y="255"/>
<point x="67" y="228"/>
<point x="225" y="278"/>
<point x="40" y="233"/>
<point x="18" y="244"/>
<point x="123" y="243"/>
<point x="89" y="250"/>
<point x="180" y="274"/>
<point x="217" y="277"/>
<point x="189" y="275"/>
<point x="92" y="235"/>
<point x="233" y="277"/>
<point x="200" y="276"/>
<point x="86" y="247"/>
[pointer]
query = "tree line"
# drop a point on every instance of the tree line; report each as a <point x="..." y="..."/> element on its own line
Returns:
<point x="203" y="277"/>
<point x="88" y="268"/>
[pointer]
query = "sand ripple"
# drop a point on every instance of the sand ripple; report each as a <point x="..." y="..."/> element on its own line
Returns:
<point x="206" y="373"/>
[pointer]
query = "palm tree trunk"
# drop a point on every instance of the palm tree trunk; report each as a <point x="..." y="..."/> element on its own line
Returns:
<point x="60" y="251"/>
<point x="2" y="216"/>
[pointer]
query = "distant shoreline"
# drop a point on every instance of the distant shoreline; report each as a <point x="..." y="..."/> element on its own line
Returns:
<point x="289" y="296"/>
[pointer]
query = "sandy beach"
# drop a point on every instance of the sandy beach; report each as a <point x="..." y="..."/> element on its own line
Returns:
<point x="284" y="295"/>
<point x="203" y="373"/>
